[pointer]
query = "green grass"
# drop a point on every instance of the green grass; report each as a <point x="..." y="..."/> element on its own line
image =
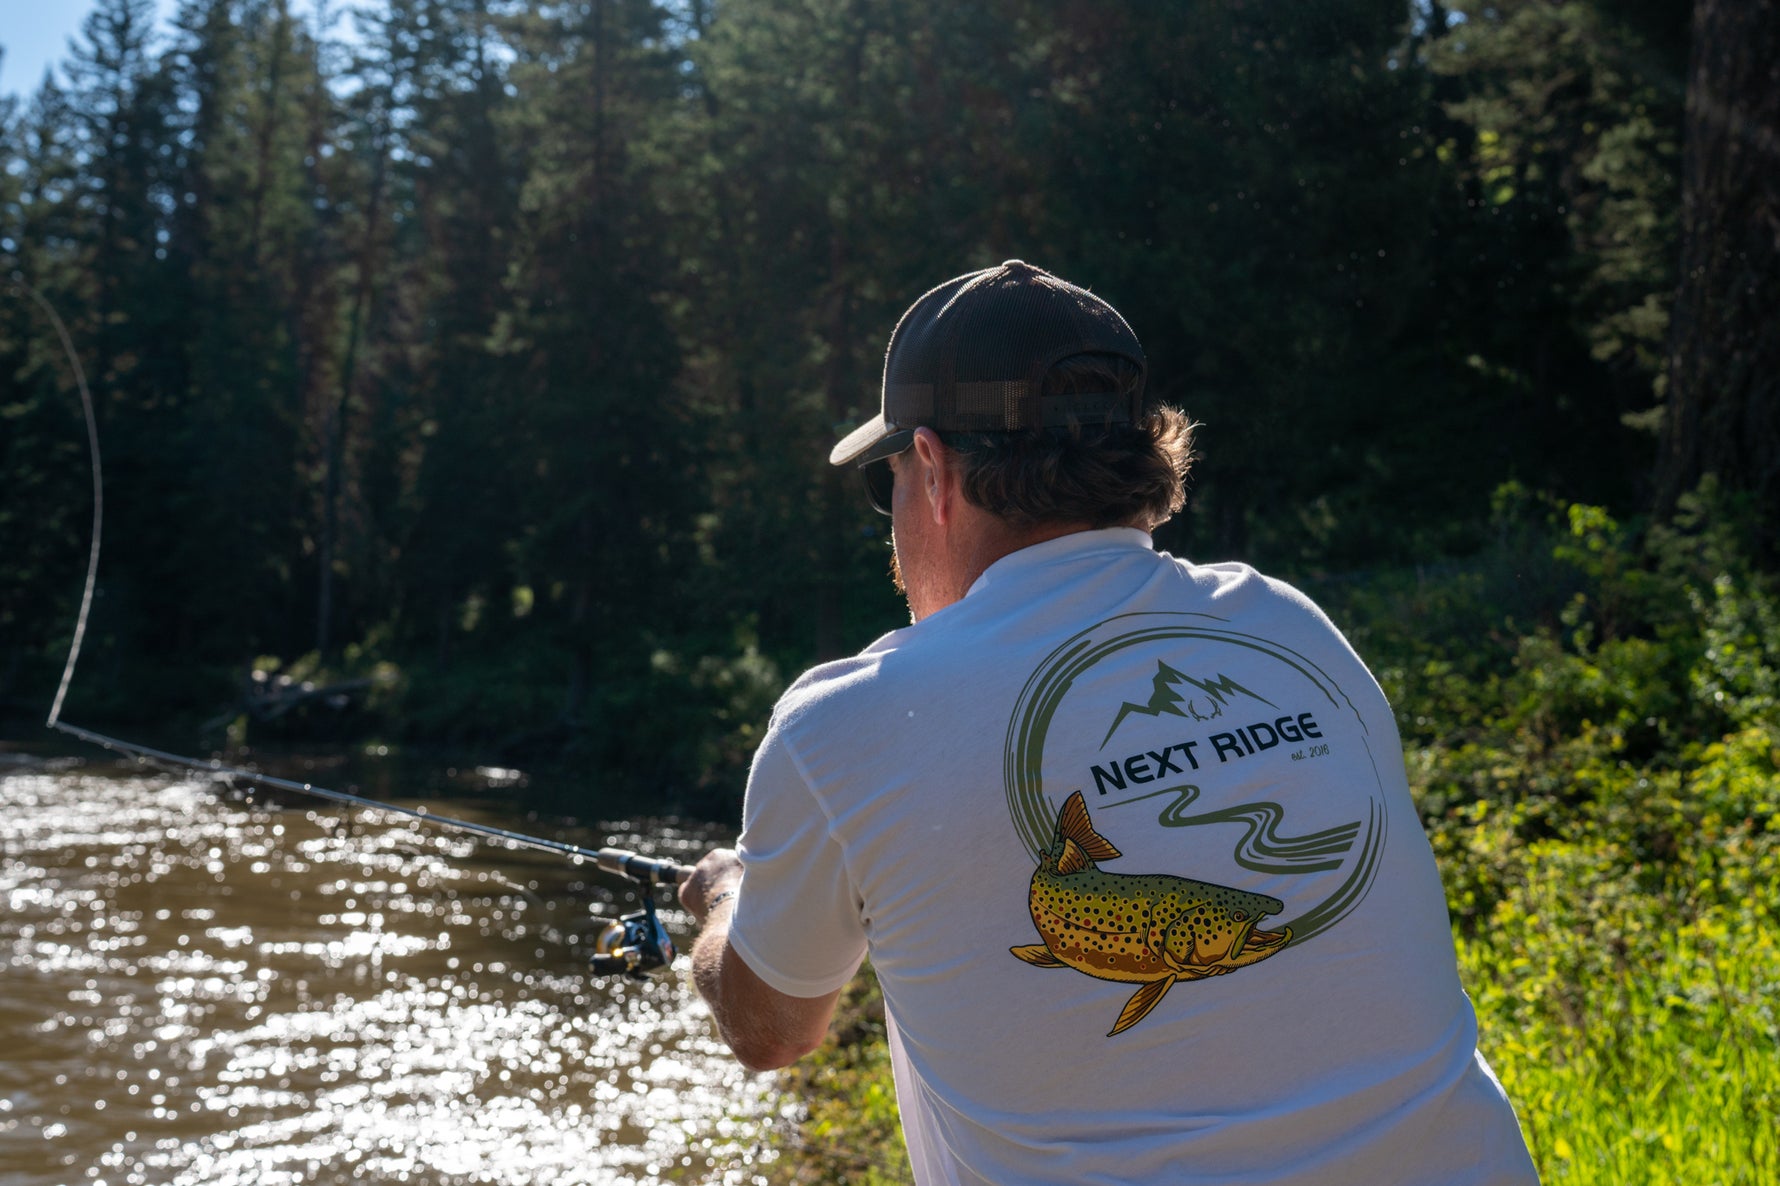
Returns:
<point x="1630" y="1008"/>
<point x="1666" y="1076"/>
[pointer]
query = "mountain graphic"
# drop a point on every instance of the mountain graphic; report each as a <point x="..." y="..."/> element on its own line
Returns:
<point x="1165" y="699"/>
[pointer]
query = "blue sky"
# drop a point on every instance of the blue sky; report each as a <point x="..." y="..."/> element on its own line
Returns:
<point x="35" y="36"/>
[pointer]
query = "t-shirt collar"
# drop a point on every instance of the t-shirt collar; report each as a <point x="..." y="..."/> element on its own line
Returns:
<point x="1065" y="548"/>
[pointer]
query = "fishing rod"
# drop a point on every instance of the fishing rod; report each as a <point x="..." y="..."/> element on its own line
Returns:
<point x="632" y="945"/>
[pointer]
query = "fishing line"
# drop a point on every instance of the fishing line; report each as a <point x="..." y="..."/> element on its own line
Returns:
<point x="86" y="403"/>
<point x="619" y="861"/>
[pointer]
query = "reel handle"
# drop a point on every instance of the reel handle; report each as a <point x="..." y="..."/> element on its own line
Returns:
<point x="646" y="870"/>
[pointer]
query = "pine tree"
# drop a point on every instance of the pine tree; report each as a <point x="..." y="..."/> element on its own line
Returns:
<point x="588" y="362"/>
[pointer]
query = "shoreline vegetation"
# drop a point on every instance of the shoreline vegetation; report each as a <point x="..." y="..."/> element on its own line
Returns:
<point x="1599" y="772"/>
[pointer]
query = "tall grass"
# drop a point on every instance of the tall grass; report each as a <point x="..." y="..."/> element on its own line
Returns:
<point x="1664" y="1079"/>
<point x="1629" y="1010"/>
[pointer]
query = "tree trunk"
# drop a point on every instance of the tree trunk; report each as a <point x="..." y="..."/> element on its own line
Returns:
<point x="1724" y="344"/>
<point x="334" y="430"/>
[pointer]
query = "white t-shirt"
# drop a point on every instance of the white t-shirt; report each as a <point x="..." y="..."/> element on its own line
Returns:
<point x="1130" y="845"/>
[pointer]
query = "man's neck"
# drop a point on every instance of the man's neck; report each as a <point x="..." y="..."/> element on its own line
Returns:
<point x="979" y="544"/>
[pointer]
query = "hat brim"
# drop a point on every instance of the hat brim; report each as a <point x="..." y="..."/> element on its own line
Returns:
<point x="870" y="441"/>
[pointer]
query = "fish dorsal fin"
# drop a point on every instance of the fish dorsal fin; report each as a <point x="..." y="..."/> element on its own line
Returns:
<point x="1073" y="859"/>
<point x="1073" y="824"/>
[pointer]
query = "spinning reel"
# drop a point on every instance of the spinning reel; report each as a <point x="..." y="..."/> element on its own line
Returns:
<point x="636" y="944"/>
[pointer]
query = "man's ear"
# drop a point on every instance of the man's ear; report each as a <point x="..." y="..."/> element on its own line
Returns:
<point x="937" y="475"/>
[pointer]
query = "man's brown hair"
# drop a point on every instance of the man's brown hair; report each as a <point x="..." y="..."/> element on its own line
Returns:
<point x="1104" y="475"/>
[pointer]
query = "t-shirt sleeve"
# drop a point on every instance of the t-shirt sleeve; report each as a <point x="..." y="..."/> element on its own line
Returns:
<point x="797" y="921"/>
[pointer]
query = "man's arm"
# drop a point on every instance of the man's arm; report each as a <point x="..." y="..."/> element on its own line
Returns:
<point x="764" y="1027"/>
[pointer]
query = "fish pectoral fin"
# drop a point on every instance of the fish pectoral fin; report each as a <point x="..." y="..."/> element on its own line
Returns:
<point x="1038" y="955"/>
<point x="1140" y="1004"/>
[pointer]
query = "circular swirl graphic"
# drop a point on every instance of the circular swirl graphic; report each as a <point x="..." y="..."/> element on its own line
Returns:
<point x="1256" y="733"/>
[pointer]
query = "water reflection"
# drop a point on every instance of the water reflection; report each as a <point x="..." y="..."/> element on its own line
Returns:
<point x="198" y="991"/>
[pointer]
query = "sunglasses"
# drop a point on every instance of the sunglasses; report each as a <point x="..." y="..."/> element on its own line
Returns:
<point x="880" y="479"/>
<point x="880" y="483"/>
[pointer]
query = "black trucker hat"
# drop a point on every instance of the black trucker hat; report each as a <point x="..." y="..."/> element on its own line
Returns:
<point x="972" y="355"/>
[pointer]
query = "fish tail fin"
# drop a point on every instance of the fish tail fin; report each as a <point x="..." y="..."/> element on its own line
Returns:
<point x="1073" y="824"/>
<point x="1140" y="1004"/>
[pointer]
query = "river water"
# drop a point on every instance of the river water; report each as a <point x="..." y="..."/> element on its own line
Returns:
<point x="199" y="989"/>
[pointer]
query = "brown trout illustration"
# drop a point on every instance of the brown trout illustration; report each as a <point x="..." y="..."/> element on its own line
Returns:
<point x="1152" y="929"/>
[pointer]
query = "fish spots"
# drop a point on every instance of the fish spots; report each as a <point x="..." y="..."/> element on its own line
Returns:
<point x="1152" y="929"/>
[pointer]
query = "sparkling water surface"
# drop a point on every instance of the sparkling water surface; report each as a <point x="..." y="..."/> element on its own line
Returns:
<point x="198" y="989"/>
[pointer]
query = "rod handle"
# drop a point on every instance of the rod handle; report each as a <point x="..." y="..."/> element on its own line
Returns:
<point x="640" y="868"/>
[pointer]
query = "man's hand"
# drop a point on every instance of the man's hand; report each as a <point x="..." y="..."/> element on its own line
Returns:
<point x="718" y="874"/>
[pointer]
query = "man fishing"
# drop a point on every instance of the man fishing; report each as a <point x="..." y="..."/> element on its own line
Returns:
<point x="1128" y="839"/>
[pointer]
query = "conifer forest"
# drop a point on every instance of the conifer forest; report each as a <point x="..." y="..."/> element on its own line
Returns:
<point x="480" y="359"/>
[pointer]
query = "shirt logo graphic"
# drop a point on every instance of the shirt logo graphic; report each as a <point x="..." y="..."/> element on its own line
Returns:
<point x="1260" y="776"/>
<point x="1153" y="929"/>
<point x="1165" y="699"/>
